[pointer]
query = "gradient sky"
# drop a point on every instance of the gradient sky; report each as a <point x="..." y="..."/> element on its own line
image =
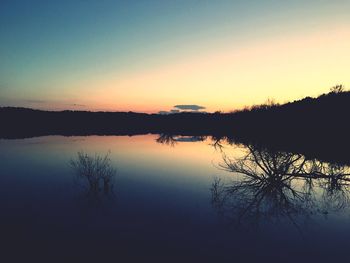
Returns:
<point x="150" y="55"/>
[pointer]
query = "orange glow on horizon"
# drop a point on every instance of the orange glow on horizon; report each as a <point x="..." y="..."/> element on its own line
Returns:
<point x="284" y="68"/>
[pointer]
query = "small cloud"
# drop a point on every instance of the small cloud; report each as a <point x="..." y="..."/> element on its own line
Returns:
<point x="183" y="108"/>
<point x="189" y="107"/>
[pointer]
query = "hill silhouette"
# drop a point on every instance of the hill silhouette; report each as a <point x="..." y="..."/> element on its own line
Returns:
<point x="311" y="126"/>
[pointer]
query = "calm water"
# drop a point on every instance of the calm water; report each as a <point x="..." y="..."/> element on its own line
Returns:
<point x="168" y="198"/>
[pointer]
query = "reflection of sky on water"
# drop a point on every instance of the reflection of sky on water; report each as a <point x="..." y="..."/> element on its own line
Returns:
<point x="162" y="197"/>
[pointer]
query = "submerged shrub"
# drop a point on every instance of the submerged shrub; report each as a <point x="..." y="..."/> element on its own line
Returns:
<point x="97" y="170"/>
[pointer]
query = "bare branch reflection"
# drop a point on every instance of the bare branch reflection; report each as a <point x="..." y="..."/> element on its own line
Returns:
<point x="273" y="185"/>
<point x="172" y="140"/>
<point x="167" y="139"/>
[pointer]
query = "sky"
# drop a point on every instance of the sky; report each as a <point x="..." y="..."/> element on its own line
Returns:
<point x="148" y="56"/>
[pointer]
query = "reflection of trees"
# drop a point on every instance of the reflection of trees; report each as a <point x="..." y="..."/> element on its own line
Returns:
<point x="171" y="140"/>
<point x="275" y="185"/>
<point x="95" y="174"/>
<point x="217" y="143"/>
<point x="167" y="139"/>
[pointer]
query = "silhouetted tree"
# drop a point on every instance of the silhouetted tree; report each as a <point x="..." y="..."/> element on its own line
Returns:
<point x="96" y="171"/>
<point x="337" y="89"/>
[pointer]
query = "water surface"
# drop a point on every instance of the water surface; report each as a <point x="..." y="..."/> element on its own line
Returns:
<point x="169" y="198"/>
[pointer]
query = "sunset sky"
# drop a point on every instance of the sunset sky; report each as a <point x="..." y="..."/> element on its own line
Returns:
<point x="151" y="55"/>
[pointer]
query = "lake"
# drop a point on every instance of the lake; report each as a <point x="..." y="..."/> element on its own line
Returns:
<point x="169" y="198"/>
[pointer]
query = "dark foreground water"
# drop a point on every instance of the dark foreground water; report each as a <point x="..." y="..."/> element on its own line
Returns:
<point x="160" y="198"/>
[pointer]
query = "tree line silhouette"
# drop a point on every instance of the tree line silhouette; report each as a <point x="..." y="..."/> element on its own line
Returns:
<point x="312" y="126"/>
